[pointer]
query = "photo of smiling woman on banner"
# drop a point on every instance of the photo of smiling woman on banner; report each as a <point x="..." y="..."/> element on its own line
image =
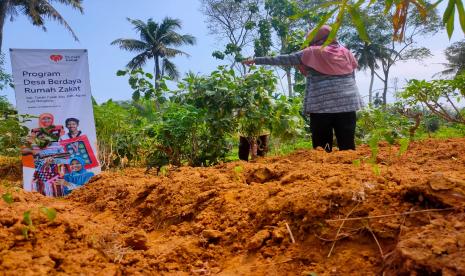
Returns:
<point x="78" y="175"/>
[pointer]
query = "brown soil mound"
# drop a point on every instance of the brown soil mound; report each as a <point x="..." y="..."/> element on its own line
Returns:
<point x="277" y="216"/>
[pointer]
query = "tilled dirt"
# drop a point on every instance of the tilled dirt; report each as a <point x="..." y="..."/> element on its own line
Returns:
<point x="309" y="213"/>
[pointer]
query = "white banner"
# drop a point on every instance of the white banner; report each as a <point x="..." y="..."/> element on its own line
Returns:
<point x="60" y="151"/>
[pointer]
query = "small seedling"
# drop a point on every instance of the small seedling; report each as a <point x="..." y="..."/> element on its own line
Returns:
<point x="357" y="162"/>
<point x="50" y="213"/>
<point x="376" y="169"/>
<point x="28" y="221"/>
<point x="404" y="143"/>
<point x="8" y="198"/>
<point x="164" y="171"/>
<point x="237" y="172"/>
<point x="373" y="143"/>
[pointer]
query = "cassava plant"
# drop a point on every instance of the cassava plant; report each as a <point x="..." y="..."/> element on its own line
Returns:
<point x="378" y="124"/>
<point x="441" y="97"/>
<point x="217" y="97"/>
<point x="256" y="112"/>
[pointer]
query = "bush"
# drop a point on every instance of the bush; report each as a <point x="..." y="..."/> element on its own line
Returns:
<point x="439" y="96"/>
<point x="11" y="129"/>
<point x="121" y="134"/>
<point x="381" y="124"/>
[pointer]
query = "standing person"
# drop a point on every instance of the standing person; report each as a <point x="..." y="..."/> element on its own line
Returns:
<point x="72" y="125"/>
<point x="332" y="97"/>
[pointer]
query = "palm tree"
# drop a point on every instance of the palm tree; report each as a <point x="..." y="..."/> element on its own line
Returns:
<point x="455" y="55"/>
<point x="155" y="42"/>
<point x="368" y="55"/>
<point x="37" y="11"/>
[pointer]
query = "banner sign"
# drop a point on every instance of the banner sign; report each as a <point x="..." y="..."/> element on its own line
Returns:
<point x="60" y="151"/>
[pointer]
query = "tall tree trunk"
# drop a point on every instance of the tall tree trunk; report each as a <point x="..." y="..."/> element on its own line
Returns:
<point x="287" y="69"/>
<point x="370" y="91"/>
<point x="3" y="7"/>
<point x="385" y="89"/>
<point x="157" y="80"/>
<point x="157" y="71"/>
<point x="289" y="82"/>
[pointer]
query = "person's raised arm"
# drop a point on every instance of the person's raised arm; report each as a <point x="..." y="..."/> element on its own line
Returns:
<point x="283" y="60"/>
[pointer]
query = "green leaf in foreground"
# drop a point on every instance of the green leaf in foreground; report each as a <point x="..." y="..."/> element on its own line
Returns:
<point x="49" y="212"/>
<point x="358" y="22"/>
<point x="404" y="143"/>
<point x="25" y="232"/>
<point x="448" y="17"/>
<point x="8" y="198"/>
<point x="461" y="11"/>
<point x="238" y="169"/>
<point x="27" y="218"/>
<point x="376" y="169"/>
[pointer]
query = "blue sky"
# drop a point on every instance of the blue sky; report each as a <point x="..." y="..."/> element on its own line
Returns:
<point x="105" y="20"/>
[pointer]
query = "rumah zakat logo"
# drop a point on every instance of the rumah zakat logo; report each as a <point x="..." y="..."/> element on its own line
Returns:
<point x="56" y="58"/>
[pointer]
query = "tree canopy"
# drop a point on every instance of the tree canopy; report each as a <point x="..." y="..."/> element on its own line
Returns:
<point x="157" y="41"/>
<point x="37" y="11"/>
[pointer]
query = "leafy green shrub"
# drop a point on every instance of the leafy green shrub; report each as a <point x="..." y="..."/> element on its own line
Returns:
<point x="11" y="130"/>
<point x="195" y="123"/>
<point x="217" y="97"/>
<point x="178" y="134"/>
<point x="121" y="134"/>
<point x="5" y="78"/>
<point x="381" y="124"/>
<point x="288" y="123"/>
<point x="441" y="97"/>
<point x="142" y="84"/>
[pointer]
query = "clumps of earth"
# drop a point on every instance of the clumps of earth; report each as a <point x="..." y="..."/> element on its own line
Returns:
<point x="308" y="213"/>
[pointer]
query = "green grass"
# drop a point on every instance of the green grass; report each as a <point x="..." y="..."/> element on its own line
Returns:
<point x="444" y="132"/>
<point x="276" y="148"/>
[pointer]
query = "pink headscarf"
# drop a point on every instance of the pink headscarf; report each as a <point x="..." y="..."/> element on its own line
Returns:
<point x="334" y="59"/>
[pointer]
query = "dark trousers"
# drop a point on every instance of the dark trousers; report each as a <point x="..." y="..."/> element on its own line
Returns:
<point x="245" y="147"/>
<point x="322" y="126"/>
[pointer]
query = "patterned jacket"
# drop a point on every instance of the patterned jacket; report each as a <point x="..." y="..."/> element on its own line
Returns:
<point x="324" y="93"/>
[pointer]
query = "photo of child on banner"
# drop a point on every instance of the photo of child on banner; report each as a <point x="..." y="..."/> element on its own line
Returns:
<point x="59" y="164"/>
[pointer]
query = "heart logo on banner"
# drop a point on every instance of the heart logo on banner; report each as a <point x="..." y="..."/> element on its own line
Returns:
<point x="56" y="58"/>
